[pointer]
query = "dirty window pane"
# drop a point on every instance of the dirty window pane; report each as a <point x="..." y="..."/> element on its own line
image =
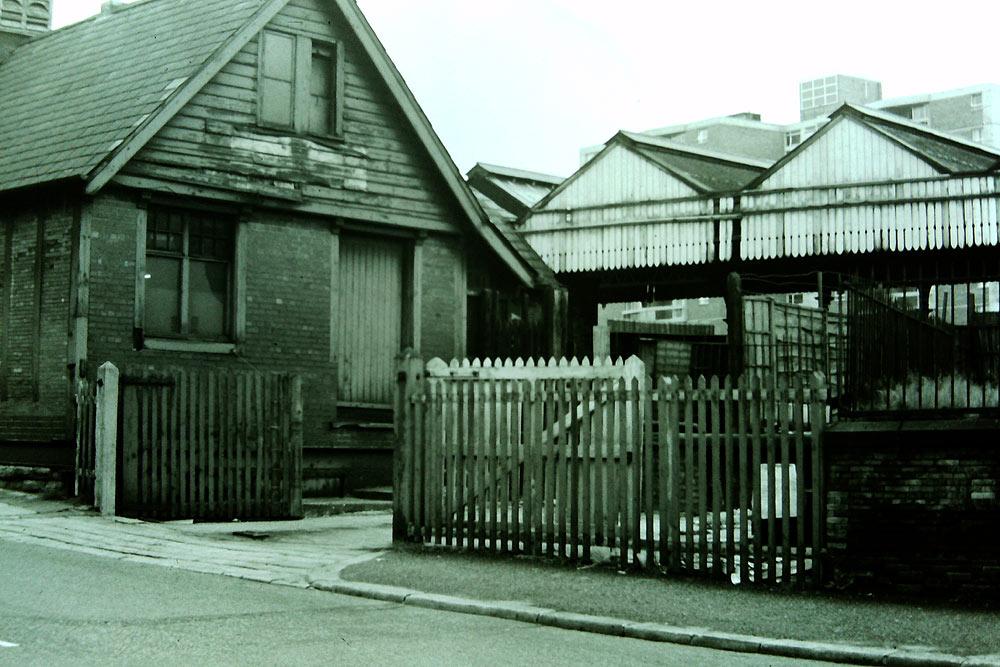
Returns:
<point x="277" y="79"/>
<point x="321" y="86"/>
<point x="209" y="298"/>
<point x="163" y="303"/>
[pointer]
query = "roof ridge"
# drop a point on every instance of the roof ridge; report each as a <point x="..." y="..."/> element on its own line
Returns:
<point x="93" y="18"/>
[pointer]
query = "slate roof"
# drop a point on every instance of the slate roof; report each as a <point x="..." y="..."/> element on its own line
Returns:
<point x="708" y="172"/>
<point x="946" y="153"/>
<point x="68" y="98"/>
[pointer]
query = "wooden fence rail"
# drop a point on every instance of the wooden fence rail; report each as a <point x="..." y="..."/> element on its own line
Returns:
<point x="715" y="477"/>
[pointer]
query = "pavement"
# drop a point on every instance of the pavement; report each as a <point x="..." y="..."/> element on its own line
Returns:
<point x="311" y="553"/>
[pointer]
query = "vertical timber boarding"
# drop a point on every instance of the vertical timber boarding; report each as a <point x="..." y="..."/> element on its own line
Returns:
<point x="210" y="445"/>
<point x="370" y="298"/>
<point x="715" y="477"/>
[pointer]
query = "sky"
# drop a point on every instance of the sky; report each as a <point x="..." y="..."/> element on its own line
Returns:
<point x="527" y="83"/>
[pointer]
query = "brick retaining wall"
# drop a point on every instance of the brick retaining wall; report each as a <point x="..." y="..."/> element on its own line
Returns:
<point x="913" y="507"/>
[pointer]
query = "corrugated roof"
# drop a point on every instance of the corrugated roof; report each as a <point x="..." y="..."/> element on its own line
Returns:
<point x="705" y="171"/>
<point x="71" y="97"/>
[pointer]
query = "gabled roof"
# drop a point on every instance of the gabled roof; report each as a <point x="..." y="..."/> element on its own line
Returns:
<point x="706" y="171"/>
<point x="945" y="153"/>
<point x="90" y="96"/>
<point x="515" y="190"/>
<point x="72" y="98"/>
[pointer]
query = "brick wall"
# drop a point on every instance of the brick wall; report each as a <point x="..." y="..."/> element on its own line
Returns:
<point x="914" y="510"/>
<point x="287" y="304"/>
<point x="33" y="374"/>
<point x="440" y="300"/>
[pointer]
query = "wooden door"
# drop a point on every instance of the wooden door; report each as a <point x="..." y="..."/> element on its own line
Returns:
<point x="370" y="319"/>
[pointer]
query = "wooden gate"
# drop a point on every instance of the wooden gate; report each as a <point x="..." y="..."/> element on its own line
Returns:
<point x="583" y="461"/>
<point x="210" y="445"/>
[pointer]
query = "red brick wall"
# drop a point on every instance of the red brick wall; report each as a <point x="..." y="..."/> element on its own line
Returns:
<point x="915" y="511"/>
<point x="33" y="374"/>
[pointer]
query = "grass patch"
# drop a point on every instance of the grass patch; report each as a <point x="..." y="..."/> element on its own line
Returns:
<point x="815" y="616"/>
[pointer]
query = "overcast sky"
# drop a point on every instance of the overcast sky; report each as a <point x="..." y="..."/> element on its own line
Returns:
<point x="527" y="83"/>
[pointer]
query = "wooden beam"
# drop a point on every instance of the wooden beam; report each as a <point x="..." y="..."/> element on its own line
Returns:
<point x="346" y="211"/>
<point x="119" y="157"/>
<point x="461" y="304"/>
<point x="239" y="298"/>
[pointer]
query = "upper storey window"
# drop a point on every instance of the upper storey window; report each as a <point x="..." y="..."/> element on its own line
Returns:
<point x="301" y="84"/>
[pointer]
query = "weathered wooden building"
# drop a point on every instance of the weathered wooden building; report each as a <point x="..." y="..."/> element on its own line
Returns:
<point x="231" y="184"/>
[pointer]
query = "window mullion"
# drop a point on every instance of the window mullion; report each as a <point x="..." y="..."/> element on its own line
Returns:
<point x="185" y="282"/>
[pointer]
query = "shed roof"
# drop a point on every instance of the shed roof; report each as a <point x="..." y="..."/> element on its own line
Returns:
<point x="504" y="221"/>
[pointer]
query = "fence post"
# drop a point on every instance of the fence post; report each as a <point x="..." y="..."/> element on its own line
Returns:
<point x="817" y="418"/>
<point x="296" y="433"/>
<point x="408" y="371"/>
<point x="106" y="440"/>
<point x="737" y="325"/>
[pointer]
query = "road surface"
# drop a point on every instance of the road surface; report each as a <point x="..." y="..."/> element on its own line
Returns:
<point x="60" y="607"/>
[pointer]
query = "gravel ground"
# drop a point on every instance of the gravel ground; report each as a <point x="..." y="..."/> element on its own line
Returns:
<point x="826" y="616"/>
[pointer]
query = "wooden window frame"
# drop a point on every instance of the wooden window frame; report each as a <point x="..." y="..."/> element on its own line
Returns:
<point x="236" y="308"/>
<point x="305" y="48"/>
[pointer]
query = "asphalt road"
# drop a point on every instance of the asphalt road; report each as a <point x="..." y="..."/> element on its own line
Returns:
<point x="60" y="607"/>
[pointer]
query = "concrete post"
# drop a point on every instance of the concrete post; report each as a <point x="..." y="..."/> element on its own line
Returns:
<point x="106" y="439"/>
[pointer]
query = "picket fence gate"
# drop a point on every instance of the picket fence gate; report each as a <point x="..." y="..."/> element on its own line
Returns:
<point x="595" y="461"/>
<point x="180" y="444"/>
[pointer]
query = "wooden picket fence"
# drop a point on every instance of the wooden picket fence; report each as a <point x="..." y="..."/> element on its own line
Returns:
<point x="593" y="462"/>
<point x="210" y="445"/>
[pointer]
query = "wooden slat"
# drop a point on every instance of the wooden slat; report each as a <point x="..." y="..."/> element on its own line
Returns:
<point x="702" y="464"/>
<point x="516" y="461"/>
<point x="635" y="483"/>
<point x="573" y="487"/>
<point x="732" y="464"/>
<point x="539" y="394"/>
<point x="624" y="436"/>
<point x="785" y="481"/>
<point x="716" y="475"/>
<point x="817" y="419"/>
<point x="798" y="403"/>
<point x="481" y="452"/>
<point x="599" y="437"/>
<point x="756" y="554"/>
<point x="649" y="472"/>
<point x="463" y="443"/>
<point x="770" y="407"/>
<point x="690" y="490"/>
<point x="492" y="469"/>
<point x="504" y="463"/>
<point x="745" y="477"/>
<point x="586" y="397"/>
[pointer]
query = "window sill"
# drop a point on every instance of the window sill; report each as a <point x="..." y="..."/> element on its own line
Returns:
<point x="202" y="347"/>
